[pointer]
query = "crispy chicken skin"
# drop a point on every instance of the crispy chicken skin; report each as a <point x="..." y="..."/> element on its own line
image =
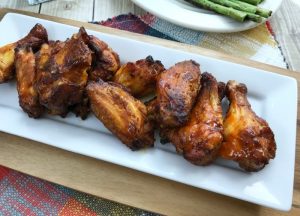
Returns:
<point x="62" y="74"/>
<point x="153" y="112"/>
<point x="200" y="139"/>
<point x="140" y="77"/>
<point x="248" y="139"/>
<point x="82" y="109"/>
<point x="7" y="57"/>
<point x="177" y="89"/>
<point x="36" y="37"/>
<point x="153" y="108"/>
<point x="106" y="62"/>
<point x="26" y="74"/>
<point x="121" y="113"/>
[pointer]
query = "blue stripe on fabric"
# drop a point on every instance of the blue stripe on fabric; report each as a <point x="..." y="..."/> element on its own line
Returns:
<point x="153" y="32"/>
<point x="9" y="194"/>
<point x="178" y="33"/>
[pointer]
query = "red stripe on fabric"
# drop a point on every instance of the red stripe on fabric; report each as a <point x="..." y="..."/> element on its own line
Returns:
<point x="269" y="27"/>
<point x="33" y="194"/>
<point x="128" y="22"/>
<point x="37" y="197"/>
<point x="3" y="172"/>
<point x="21" y="208"/>
<point x="24" y="190"/>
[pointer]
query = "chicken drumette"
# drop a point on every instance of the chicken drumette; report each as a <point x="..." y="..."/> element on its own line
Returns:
<point x="177" y="90"/>
<point x="200" y="139"/>
<point x="248" y="139"/>
<point x="35" y="38"/>
<point x="140" y="77"/>
<point x="121" y="113"/>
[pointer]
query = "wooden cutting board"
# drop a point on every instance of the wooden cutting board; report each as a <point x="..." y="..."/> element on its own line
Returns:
<point x="128" y="186"/>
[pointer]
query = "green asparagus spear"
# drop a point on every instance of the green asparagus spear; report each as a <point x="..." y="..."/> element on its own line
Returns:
<point x="250" y="8"/>
<point x="254" y="17"/>
<point x="235" y="14"/>
<point x="253" y="2"/>
<point x="259" y="11"/>
<point x="227" y="11"/>
<point x="263" y="12"/>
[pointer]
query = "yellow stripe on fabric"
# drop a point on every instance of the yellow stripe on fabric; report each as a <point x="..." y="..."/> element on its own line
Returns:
<point x="243" y="44"/>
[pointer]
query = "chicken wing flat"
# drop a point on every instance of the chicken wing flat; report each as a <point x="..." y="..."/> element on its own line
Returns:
<point x="177" y="89"/>
<point x="26" y="75"/>
<point x="62" y="74"/>
<point x="106" y="62"/>
<point x="200" y="139"/>
<point x="36" y="37"/>
<point x="248" y="139"/>
<point x="140" y="77"/>
<point x="121" y="113"/>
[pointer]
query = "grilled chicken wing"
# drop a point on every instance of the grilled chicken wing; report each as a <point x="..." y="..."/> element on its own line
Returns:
<point x="62" y="74"/>
<point x="140" y="77"/>
<point x="177" y="90"/>
<point x="36" y="37"/>
<point x="7" y="57"/>
<point x="153" y="112"/>
<point x="26" y="75"/>
<point x="122" y="114"/>
<point x="106" y="62"/>
<point x="200" y="139"/>
<point x="248" y="139"/>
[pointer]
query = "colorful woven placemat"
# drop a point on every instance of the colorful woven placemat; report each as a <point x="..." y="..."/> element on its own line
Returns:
<point x="25" y="195"/>
<point x="257" y="44"/>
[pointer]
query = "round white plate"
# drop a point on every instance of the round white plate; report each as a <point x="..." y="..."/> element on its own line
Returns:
<point x="182" y="13"/>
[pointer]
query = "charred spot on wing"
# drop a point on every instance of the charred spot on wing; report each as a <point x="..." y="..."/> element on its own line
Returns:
<point x="150" y="59"/>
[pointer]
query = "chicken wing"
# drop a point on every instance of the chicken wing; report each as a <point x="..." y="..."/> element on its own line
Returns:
<point x="140" y="77"/>
<point x="106" y="62"/>
<point x="177" y="89"/>
<point x="7" y="57"/>
<point x="248" y="139"/>
<point x="200" y="139"/>
<point x="62" y="74"/>
<point x="82" y="109"/>
<point x="36" y="37"/>
<point x="121" y="113"/>
<point x="26" y="76"/>
<point x="153" y="112"/>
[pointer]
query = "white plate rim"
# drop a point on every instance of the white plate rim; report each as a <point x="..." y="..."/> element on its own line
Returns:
<point x="213" y="22"/>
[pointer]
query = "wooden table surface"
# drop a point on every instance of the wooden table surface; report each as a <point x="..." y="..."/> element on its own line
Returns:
<point x="285" y="23"/>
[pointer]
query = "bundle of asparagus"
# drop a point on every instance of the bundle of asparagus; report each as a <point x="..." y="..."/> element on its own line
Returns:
<point x="239" y="10"/>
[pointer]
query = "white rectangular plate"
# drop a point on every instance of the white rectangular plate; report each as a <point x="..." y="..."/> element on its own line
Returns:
<point x="273" y="97"/>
